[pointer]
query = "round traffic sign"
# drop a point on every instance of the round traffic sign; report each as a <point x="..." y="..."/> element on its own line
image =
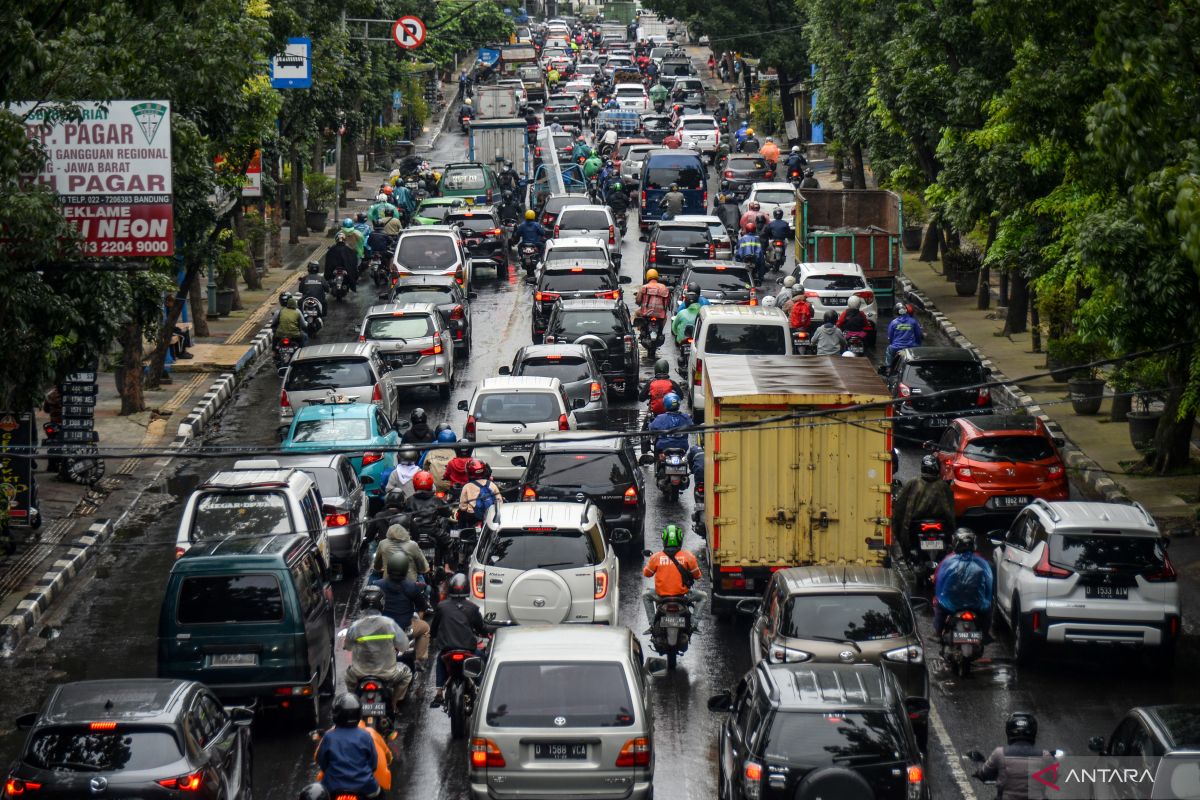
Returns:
<point x="409" y="32"/>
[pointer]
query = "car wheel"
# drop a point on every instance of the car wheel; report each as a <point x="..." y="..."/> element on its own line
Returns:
<point x="327" y="684"/>
<point x="1025" y="642"/>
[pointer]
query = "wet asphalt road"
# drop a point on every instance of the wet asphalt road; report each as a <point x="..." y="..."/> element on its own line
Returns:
<point x="105" y="626"/>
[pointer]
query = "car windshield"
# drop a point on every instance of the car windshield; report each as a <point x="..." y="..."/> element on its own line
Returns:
<point x="576" y="254"/>
<point x="552" y="549"/>
<point x="731" y="280"/>
<point x="571" y="694"/>
<point x="206" y="599"/>
<point x="834" y="283"/>
<point x="746" y="164"/>
<point x="476" y="224"/>
<point x="581" y="281"/>
<point x="459" y="178"/>
<point x="1084" y="552"/>
<point x="336" y="429"/>
<point x="308" y="375"/>
<point x="222" y="514"/>
<point x="584" y="219"/>
<point x="423" y="294"/>
<point x="409" y="326"/>
<point x="1009" y="448"/>
<point x="944" y="374"/>
<point x="581" y="322"/>
<point x="567" y="369"/>
<point x="851" y="617"/>
<point x="428" y="251"/>
<point x="834" y="737"/>
<point x="563" y="140"/>
<point x="685" y="171"/>
<point x="436" y="211"/>
<point x="522" y="407"/>
<point x="775" y="196"/>
<point x="66" y="750"/>
<point x="741" y="339"/>
<point x="681" y="237"/>
<point x="580" y="470"/>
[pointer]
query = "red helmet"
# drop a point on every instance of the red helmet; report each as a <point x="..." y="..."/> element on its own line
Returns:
<point x="423" y="481"/>
<point x="387" y="189"/>
<point x="476" y="469"/>
<point x="749" y="227"/>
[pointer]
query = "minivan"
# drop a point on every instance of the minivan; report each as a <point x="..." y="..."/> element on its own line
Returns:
<point x="734" y="331"/>
<point x="415" y="342"/>
<point x="252" y="619"/>
<point x="661" y="168"/>
<point x="351" y="370"/>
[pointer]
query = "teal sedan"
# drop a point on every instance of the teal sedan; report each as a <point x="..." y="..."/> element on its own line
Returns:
<point x="362" y="430"/>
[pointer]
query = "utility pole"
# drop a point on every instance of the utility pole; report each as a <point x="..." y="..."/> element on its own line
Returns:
<point x="337" y="155"/>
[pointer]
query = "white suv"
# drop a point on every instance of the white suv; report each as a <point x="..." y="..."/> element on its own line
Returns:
<point x="829" y="287"/>
<point x="699" y="132"/>
<point x="1086" y="572"/>
<point x="544" y="563"/>
<point x="734" y="331"/>
<point x="631" y="96"/>
<point x="511" y="411"/>
<point x="589" y="222"/>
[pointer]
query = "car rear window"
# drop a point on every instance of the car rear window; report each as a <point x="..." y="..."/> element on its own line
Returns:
<point x="555" y="204"/>
<point x="560" y="695"/>
<point x="775" y="196"/>
<point x="656" y="124"/>
<point x="944" y="374"/>
<point x="436" y="211"/>
<point x="846" y="738"/>
<point x="523" y="407"/>
<point x="476" y="224"/>
<point x="584" y="218"/>
<point x="834" y="283"/>
<point x="428" y="251"/>
<point x="562" y="105"/>
<point x="567" y="369"/>
<point x="69" y="750"/>
<point x="409" y="326"/>
<point x="663" y="170"/>
<point x="306" y="375"/>
<point x="221" y="514"/>
<point x="847" y="617"/>
<point x="699" y="124"/>
<point x="596" y="252"/>
<point x="327" y="481"/>
<point x="229" y="598"/>
<point x="580" y="322"/>
<point x="577" y="281"/>
<point x="732" y="280"/>
<point x="682" y="237"/>
<point x="423" y="294"/>
<point x="530" y="74"/>
<point x="542" y="549"/>
<point x="744" y="339"/>
<point x="583" y="470"/>
<point x="629" y="91"/>
<point x="746" y="164"/>
<point x="1086" y="552"/>
<point x="675" y="68"/>
<point x="464" y="178"/>
<point x="331" y="430"/>
<point x="1009" y="448"/>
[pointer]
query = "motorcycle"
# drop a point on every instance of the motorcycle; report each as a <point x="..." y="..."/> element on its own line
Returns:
<point x="775" y="254"/>
<point x="650" y="334"/>
<point x="459" y="691"/>
<point x="794" y="178"/>
<point x="684" y="347"/>
<point x="312" y="310"/>
<point x="285" y="348"/>
<point x="802" y="343"/>
<point x="529" y="254"/>
<point x="71" y="462"/>
<point x="928" y="538"/>
<point x="622" y="221"/>
<point x="962" y="641"/>
<point x="671" y="473"/>
<point x="464" y="123"/>
<point x="375" y="267"/>
<point x="671" y="628"/>
<point x="341" y="283"/>
<point x="375" y="695"/>
<point x="856" y="342"/>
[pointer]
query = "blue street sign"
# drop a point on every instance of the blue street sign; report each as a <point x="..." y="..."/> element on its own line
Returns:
<point x="397" y="99"/>
<point x="292" y="69"/>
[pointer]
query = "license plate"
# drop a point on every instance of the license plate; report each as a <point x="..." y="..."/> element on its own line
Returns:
<point x="428" y="553"/>
<point x="374" y="709"/>
<point x="560" y="751"/>
<point x="833" y="301"/>
<point x="968" y="637"/>
<point x="1011" y="501"/>
<point x="233" y="659"/>
<point x="931" y="544"/>
<point x="676" y="470"/>
<point x="1104" y="592"/>
<point x="938" y="422"/>
<point x="514" y="448"/>
<point x="673" y="622"/>
<point x="471" y="242"/>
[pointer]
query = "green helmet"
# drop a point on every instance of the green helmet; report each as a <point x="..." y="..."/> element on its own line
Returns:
<point x="662" y="367"/>
<point x="397" y="565"/>
<point x="672" y="536"/>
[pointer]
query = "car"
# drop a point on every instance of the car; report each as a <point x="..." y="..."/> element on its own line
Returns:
<point x="626" y="143"/>
<point x="656" y="128"/>
<point x="664" y="167"/>
<point x="588" y="221"/>
<point x="344" y="501"/>
<point x="545" y="563"/>
<point x="563" y="710"/>
<point x="142" y="737"/>
<point x="583" y="467"/>
<point x="482" y="233"/>
<point x="433" y="210"/>
<point x="576" y="279"/>
<point x="452" y="302"/>
<point x="676" y="66"/>
<point x="469" y="180"/>
<point x="829" y="287"/>
<point x="741" y="171"/>
<point x="722" y="241"/>
<point x="364" y="431"/>
<point x="1086" y="572"/>
<point x="576" y="368"/>
<point x="733" y="331"/>
<point x="578" y="88"/>
<point x="771" y="195"/>
<point x="631" y="96"/>
<point x="840" y="614"/>
<point x="415" y="343"/>
<point x="432" y="250"/>
<point x="252" y="618"/>
<point x="355" y="370"/>
<point x="631" y="162"/>
<point x="689" y="84"/>
<point x="563" y="110"/>
<point x="996" y="464"/>
<point x="673" y="245"/>
<point x="555" y="203"/>
<point x="699" y="132"/>
<point x="820" y="730"/>
<point x="508" y="412"/>
<point x="722" y="282"/>
<point x="606" y="327"/>
<point x="565" y="249"/>
<point x="1163" y="738"/>
<point x="587" y="70"/>
<point x="951" y="375"/>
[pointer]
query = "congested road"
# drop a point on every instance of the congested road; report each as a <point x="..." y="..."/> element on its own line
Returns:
<point x="106" y="627"/>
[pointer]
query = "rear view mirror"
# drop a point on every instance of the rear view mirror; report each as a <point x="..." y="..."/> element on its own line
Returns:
<point x="241" y="716"/>
<point x="996" y="538"/>
<point x="616" y="259"/>
<point x="722" y="701"/>
<point x="646" y="554"/>
<point x="749" y="606"/>
<point x="463" y="405"/>
<point x="518" y="461"/>
<point x="27" y="721"/>
<point x="473" y="667"/>
<point x="625" y="279"/>
<point x="504" y="371"/>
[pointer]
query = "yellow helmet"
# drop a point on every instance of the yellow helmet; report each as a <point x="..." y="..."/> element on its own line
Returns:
<point x="530" y="214"/>
<point x="749" y="131"/>
<point x="651" y="274"/>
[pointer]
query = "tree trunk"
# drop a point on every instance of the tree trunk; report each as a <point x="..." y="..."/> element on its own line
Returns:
<point x="1035" y="321"/>
<point x="1172" y="440"/>
<point x="932" y="242"/>
<point x="198" y="299"/>
<point x="984" y="295"/>
<point x="297" y="224"/>
<point x="858" y="171"/>
<point x="788" y="106"/>
<point x="1004" y="287"/>
<point x="133" y="399"/>
<point x="349" y="162"/>
<point x="1018" y="307"/>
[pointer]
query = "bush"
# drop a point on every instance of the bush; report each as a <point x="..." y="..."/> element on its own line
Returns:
<point x="322" y="191"/>
<point x="1072" y="350"/>
<point x="916" y="213"/>
<point x="766" y="114"/>
<point x="959" y="261"/>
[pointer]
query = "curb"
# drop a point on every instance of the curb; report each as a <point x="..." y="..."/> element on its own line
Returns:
<point x="1090" y="474"/>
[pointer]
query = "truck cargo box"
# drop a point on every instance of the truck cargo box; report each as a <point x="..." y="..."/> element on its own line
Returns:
<point x="860" y="226"/>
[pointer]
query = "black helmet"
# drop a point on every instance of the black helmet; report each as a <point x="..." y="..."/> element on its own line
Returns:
<point x="662" y="368"/>
<point x="360" y="217"/>
<point x="929" y="466"/>
<point x="394" y="500"/>
<point x="964" y="540"/>
<point x="314" y="791"/>
<point x="284" y="297"/>
<point x="442" y="426"/>
<point x="777" y="213"/>
<point x="830" y="317"/>
<point x="314" y="267"/>
<point x="693" y="297"/>
<point x="1021" y="727"/>
<point x="457" y="586"/>
<point x="347" y="711"/>
<point x="409" y="455"/>
<point x="418" y="416"/>
<point x="371" y="597"/>
<point x="693" y="288"/>
<point x="397" y="566"/>
<point x="464" y="448"/>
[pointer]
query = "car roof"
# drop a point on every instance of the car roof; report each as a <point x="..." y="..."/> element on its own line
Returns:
<point x="587" y="304"/>
<point x="263" y="549"/>
<point x="708" y="117"/>
<point x="851" y="578"/>
<point x="1095" y="515"/>
<point x="539" y="643"/>
<point x="544" y="350"/>
<point x="707" y="219"/>
<point x="712" y="265"/>
<point x="829" y="268"/>
<point x="922" y="354"/>
<point x="306" y="461"/>
<point x="441" y="201"/>
<point x="319" y="351"/>
<point x="589" y="242"/>
<point x="637" y="86"/>
<point x="429" y="230"/>
<point x="400" y="309"/>
<point x="470" y="210"/>
<point x="823" y="686"/>
<point x="682" y="225"/>
<point x="560" y="515"/>
<point x="132" y="700"/>
<point x="585" y="264"/>
<point x="336" y="411"/>
<point x="508" y="382"/>
<point x="583" y="206"/>
<point x="426" y="279"/>
<point x="772" y="313"/>
<point x="769" y="185"/>
<point x="575" y="441"/>
<point x="1179" y="725"/>
<point x="249" y="478"/>
<point x="1002" y="424"/>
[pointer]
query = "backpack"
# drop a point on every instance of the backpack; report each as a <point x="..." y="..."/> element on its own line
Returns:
<point x="659" y="388"/>
<point x="485" y="500"/>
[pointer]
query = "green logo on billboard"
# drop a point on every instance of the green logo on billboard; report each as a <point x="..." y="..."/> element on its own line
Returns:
<point x="149" y="116"/>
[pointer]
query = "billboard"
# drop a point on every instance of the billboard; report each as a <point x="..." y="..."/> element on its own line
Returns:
<point x="112" y="172"/>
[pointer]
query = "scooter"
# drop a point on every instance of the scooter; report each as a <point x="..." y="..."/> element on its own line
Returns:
<point x="312" y="310"/>
<point x="928" y="538"/>
<point x="459" y="691"/>
<point x="962" y="641"/>
<point x="775" y="254"/>
<point x="341" y="284"/>
<point x="671" y="472"/>
<point x="285" y="348"/>
<point x="856" y="342"/>
<point x="71" y="461"/>
<point x="529" y="254"/>
<point x="375" y="695"/>
<point x="650" y="334"/>
<point x="671" y="628"/>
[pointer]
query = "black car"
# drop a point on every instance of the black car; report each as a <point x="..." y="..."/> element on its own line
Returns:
<point x="657" y="127"/>
<point x="739" y="173"/>
<point x="605" y="326"/>
<point x="722" y="282"/>
<point x="444" y="292"/>
<point x="918" y="372"/>
<point x="571" y="280"/>
<point x="673" y="245"/>
<point x="562" y="109"/>
<point x="820" y="730"/>
<point x="482" y="233"/>
<point x="141" y="737"/>
<point x="579" y="467"/>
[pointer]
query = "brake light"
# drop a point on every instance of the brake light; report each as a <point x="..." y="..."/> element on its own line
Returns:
<point x="547" y="219"/>
<point x="103" y="726"/>
<point x="984" y="396"/>
<point x="753" y="773"/>
<point x="613" y="295"/>
<point x="436" y="350"/>
<point x="377" y="394"/>
<point x="362" y="338"/>
<point x="728" y="173"/>
<point x="370" y="458"/>
<point x="612" y="235"/>
<point x="477" y="584"/>
<point x="1045" y="569"/>
<point x="16" y="786"/>
<point x="1054" y="471"/>
<point x="459" y="656"/>
<point x="931" y="527"/>
<point x="631" y="496"/>
<point x="283" y="400"/>
<point x="564" y="424"/>
<point x="556" y="227"/>
<point x="595" y="392"/>
<point x="810" y="293"/>
<point x="371" y="686"/>
<point x="457" y="313"/>
<point x="712" y="250"/>
<point x="635" y="753"/>
<point x="489" y="195"/>
<point x="492" y="232"/>
<point x="969" y="616"/>
<point x="185" y="783"/>
<point x="770" y="174"/>
<point x="337" y="520"/>
<point x="485" y="753"/>
<point x="904" y="390"/>
<point x="915" y="774"/>
<point x="699" y="373"/>
<point x="179" y="551"/>
<point x="964" y="473"/>
<point x="627" y="341"/>
<point x="867" y="297"/>
<point x="469" y="430"/>
<point x="545" y="297"/>
<point x="1165" y="575"/>
<point x="654" y="252"/>
<point x="529" y="493"/>
<point x="643" y="199"/>
<point x="601" y="584"/>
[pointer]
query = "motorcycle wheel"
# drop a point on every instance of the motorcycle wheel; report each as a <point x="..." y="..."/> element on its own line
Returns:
<point x="651" y="348"/>
<point x="672" y="657"/>
<point x="456" y="708"/>
<point x="671" y="494"/>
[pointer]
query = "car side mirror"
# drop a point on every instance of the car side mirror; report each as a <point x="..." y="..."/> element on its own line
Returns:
<point x="27" y="721"/>
<point x="473" y="667"/>
<point x="917" y="707"/>
<point x="656" y="666"/>
<point x="625" y="279"/>
<point x="722" y="701"/>
<point x="616" y="258"/>
<point x="1059" y="441"/>
<point x="996" y="538"/>
<point x="518" y="461"/>
<point x="645" y="459"/>
<point x="463" y="405"/>
<point x="643" y="237"/>
<point x="282" y="371"/>
<point x="504" y="371"/>
<point x="750" y="606"/>
<point x="472" y="295"/>
<point x="621" y="536"/>
<point x="1096" y="744"/>
<point x="241" y="716"/>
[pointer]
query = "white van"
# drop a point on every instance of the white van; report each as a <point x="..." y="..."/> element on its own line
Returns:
<point x="734" y="331"/>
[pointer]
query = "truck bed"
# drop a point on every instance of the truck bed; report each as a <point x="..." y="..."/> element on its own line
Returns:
<point x="861" y="226"/>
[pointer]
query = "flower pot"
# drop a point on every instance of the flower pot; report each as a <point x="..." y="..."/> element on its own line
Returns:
<point x="316" y="220"/>
<point x="1122" y="404"/>
<point x="225" y="301"/>
<point x="1142" y="425"/>
<point x="965" y="283"/>
<point x="1086" y="395"/>
<point x="911" y="237"/>
<point x="1059" y="371"/>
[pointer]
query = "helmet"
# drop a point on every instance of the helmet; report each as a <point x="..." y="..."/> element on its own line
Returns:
<point x="347" y="223"/>
<point x="418" y="416"/>
<point x="508" y="165"/>
<point x="777" y="213"/>
<point x="457" y="585"/>
<point x="507" y="194"/>
<point x="292" y="302"/>
<point x="830" y="317"/>
<point x="467" y="101"/>
<point x="693" y="288"/>
<point x="608" y="162"/>
<point x="769" y="139"/>
<point x="672" y="536"/>
<point x="900" y="310"/>
<point x="372" y="596"/>
<point x="651" y="274"/>
<point x="409" y="455"/>
<point x="754" y="206"/>
<point x="750" y="227"/>
<point x="446" y="437"/>
<point x="476" y="469"/>
<point x="964" y="540"/>
<point x="398" y="563"/>
<point x="674" y="187"/>
<point x="530" y="214"/>
<point x="795" y="149"/>
<point x="789" y="281"/>
<point x="464" y="448"/>
<point x="361" y="217"/>
<point x="379" y="198"/>
<point x="1021" y="726"/>
<point x="443" y="426"/>
<point x="284" y="297"/>
<point x="347" y="711"/>
<point x="692" y="297"/>
<point x="768" y="301"/>
<point x="423" y="481"/>
<point x="854" y="302"/>
<point x="313" y="268"/>
<point x="929" y="464"/>
<point x="314" y="791"/>
<point x="394" y="500"/>
<point x="340" y="238"/>
<point x="387" y="191"/>
<point x="671" y="401"/>
<point x="749" y="131"/>
<point x="662" y="367"/>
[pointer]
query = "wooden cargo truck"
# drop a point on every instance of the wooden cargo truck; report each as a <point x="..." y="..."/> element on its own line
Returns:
<point x="860" y="226"/>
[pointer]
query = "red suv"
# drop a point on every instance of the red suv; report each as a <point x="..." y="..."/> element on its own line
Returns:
<point x="997" y="465"/>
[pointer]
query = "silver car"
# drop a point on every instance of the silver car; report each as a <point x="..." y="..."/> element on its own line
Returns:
<point x="631" y="165"/>
<point x="563" y="712"/>
<point x="352" y="370"/>
<point x="414" y="341"/>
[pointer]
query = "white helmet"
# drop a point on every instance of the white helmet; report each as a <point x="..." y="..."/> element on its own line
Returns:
<point x="795" y="148"/>
<point x="768" y="301"/>
<point x="381" y="197"/>
<point x="769" y="139"/>
<point x="854" y="302"/>
<point x="848" y="354"/>
<point x="789" y="281"/>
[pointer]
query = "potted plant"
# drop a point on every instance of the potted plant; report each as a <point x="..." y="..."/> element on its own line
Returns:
<point x="962" y="266"/>
<point x="256" y="229"/>
<point x="1121" y="381"/>
<point x="1150" y="384"/>
<point x="1085" y="385"/>
<point x="916" y="214"/>
<point x="232" y="262"/>
<point x="322" y="194"/>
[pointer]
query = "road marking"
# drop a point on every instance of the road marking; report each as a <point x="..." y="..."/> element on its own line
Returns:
<point x="956" y="770"/>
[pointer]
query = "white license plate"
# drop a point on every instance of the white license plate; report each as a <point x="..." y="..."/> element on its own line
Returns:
<point x="673" y="622"/>
<point x="968" y="637"/>
<point x="1106" y="592"/>
<point x="554" y="750"/>
<point x="515" y="448"/>
<point x="676" y="470"/>
<point x="374" y="709"/>
<point x="938" y="422"/>
<point x="1011" y="501"/>
<point x="931" y="544"/>
<point x="233" y="659"/>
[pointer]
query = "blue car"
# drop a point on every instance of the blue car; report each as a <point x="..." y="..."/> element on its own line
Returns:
<point x="363" y="430"/>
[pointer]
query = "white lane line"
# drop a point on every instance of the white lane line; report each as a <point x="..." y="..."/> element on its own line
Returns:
<point x="956" y="770"/>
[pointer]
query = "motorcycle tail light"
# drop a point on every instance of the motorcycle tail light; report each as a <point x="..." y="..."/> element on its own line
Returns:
<point x="337" y="520"/>
<point x="770" y="174"/>
<point x="969" y="616"/>
<point x="556" y="227"/>
<point x="563" y="423"/>
<point x="469" y="430"/>
<point x="285" y="342"/>
<point x="931" y="527"/>
<point x="477" y="584"/>
<point x="370" y="458"/>
<point x="631" y="496"/>
<point x="371" y="686"/>
<point x="594" y="395"/>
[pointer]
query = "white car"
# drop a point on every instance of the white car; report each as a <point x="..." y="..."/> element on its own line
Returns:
<point x="772" y="195"/>
<point x="578" y="89"/>
<point x="733" y="330"/>
<point x="518" y="88"/>
<point x="632" y="96"/>
<point x="720" y="234"/>
<point x="509" y="412"/>
<point x="579" y="248"/>
<point x="701" y="133"/>
<point x="588" y="221"/>
<point x="432" y="250"/>
<point x="1086" y="572"/>
<point x="631" y="164"/>
<point x="829" y="287"/>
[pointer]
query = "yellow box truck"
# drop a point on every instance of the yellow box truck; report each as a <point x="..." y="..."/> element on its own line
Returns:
<point x="796" y="473"/>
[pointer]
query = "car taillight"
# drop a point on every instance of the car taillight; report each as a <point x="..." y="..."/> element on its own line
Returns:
<point x="459" y="277"/>
<point x="1054" y="471"/>
<point x="485" y="753"/>
<point x="564" y="424"/>
<point x="770" y="174"/>
<point x="547" y="219"/>
<point x="545" y="297"/>
<point x="1044" y="569"/>
<point x="477" y="584"/>
<point x="184" y="783"/>
<point x="15" y="786"/>
<point x="654" y="252"/>
<point x="457" y="313"/>
<point x="867" y="297"/>
<point x="337" y="520"/>
<point x="489" y="195"/>
<point x="362" y="338"/>
<point x="728" y="173"/>
<point x="529" y="493"/>
<point x="601" y="584"/>
<point x="283" y="400"/>
<point x="704" y="199"/>
<point x="469" y="429"/>
<point x="811" y="293"/>
<point x="596" y="389"/>
<point x="915" y="774"/>
<point x="631" y="496"/>
<point x="612" y="235"/>
<point x="983" y="397"/>
<point x="1164" y="575"/>
<point x="635" y="753"/>
<point x="179" y="551"/>
<point x="903" y="390"/>
<point x="370" y="458"/>
<point x="699" y="373"/>
<point x="613" y="295"/>
<point x="627" y="341"/>
<point x="643" y="199"/>
<point x="752" y="783"/>
<point x="436" y="350"/>
<point x="377" y="394"/>
<point x="964" y="473"/>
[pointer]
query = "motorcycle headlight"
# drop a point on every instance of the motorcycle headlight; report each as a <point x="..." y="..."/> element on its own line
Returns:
<point x="911" y="654"/>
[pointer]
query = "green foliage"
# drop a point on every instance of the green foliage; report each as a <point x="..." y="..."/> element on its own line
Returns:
<point x="322" y="191"/>
<point x="766" y="115"/>
<point x="1073" y="351"/>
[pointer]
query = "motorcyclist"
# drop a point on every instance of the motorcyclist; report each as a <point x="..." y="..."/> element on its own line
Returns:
<point x="374" y="641"/>
<point x="406" y="602"/>
<point x="675" y="572"/>
<point x="753" y="211"/>
<point x="531" y="232"/>
<point x="658" y="387"/>
<point x="785" y="293"/>
<point x="726" y="210"/>
<point x="853" y="320"/>
<point x="457" y="625"/>
<point x="608" y="140"/>
<point x="653" y="299"/>
<point x="401" y="478"/>
<point x="740" y="134"/>
<point x="810" y="180"/>
<point x="926" y="496"/>
<point x="430" y="514"/>
<point x="580" y="151"/>
<point x="419" y="432"/>
<point x="478" y="494"/>
<point x="436" y="460"/>
<point x="750" y="251"/>
<point x="770" y="151"/>
<point x="617" y="198"/>
<point x="375" y="212"/>
<point x="750" y="143"/>
<point x="800" y="315"/>
<point x="552" y="78"/>
<point x="1011" y="765"/>
<point x="658" y="95"/>
<point x="391" y="223"/>
<point x="509" y="209"/>
<point x="778" y="227"/>
<point x="289" y="323"/>
<point x="466" y="109"/>
<point x="672" y="202"/>
<point x="904" y="331"/>
<point x="828" y="339"/>
<point x="508" y="180"/>
<point x="686" y="316"/>
<point x="403" y="201"/>
<point x="592" y="165"/>
<point x="963" y="582"/>
<point x="399" y="540"/>
<point x="378" y="242"/>
<point x="456" y="469"/>
<point x="796" y="162"/>
<point x="341" y="256"/>
<point x="391" y="514"/>
<point x="666" y="423"/>
<point x="314" y="285"/>
<point x="346" y="753"/>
